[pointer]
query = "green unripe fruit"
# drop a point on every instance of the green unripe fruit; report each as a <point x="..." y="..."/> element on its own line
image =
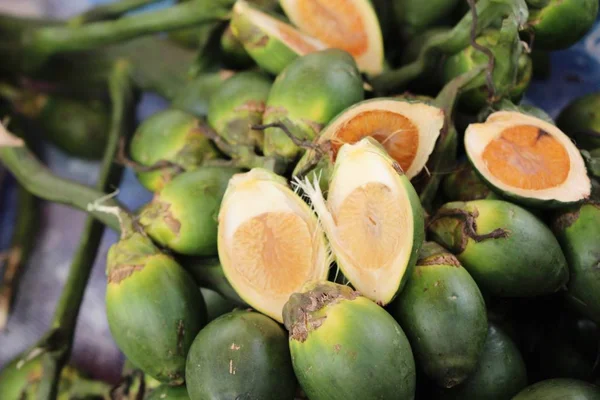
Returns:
<point x="242" y="354"/>
<point x="561" y="23"/>
<point x="183" y="215"/>
<point x="166" y="392"/>
<point x="578" y="231"/>
<point x="171" y="136"/>
<point x="581" y="121"/>
<point x="238" y="105"/>
<point x="512" y="68"/>
<point x="444" y="316"/>
<point x="508" y="251"/>
<point x="195" y="96"/>
<point x="153" y="306"/>
<point x="344" y="346"/>
<point x="307" y="95"/>
<point x="558" y="389"/>
<point x="78" y="127"/>
<point x="500" y="373"/>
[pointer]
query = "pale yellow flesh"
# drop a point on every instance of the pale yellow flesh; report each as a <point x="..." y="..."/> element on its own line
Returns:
<point x="270" y="244"/>
<point x="368" y="220"/>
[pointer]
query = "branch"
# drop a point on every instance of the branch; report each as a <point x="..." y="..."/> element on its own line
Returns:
<point x="20" y="247"/>
<point x="56" y="345"/>
<point x="108" y="11"/>
<point x="44" y="42"/>
<point x="41" y="182"/>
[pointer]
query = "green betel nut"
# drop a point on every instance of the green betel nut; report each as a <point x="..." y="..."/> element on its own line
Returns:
<point x="183" y="215"/>
<point x="561" y="23"/>
<point x="307" y="95"/>
<point x="238" y="105"/>
<point x="242" y="354"/>
<point x="173" y="137"/>
<point x="512" y="68"/>
<point x="500" y="372"/>
<point x="344" y="346"/>
<point x="508" y="251"/>
<point x="560" y="389"/>
<point x="443" y="314"/>
<point x="581" y="121"/>
<point x="153" y="331"/>
<point x="578" y="232"/>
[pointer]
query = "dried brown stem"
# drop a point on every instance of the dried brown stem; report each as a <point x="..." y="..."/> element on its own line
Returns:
<point x="305" y="144"/>
<point x="470" y="224"/>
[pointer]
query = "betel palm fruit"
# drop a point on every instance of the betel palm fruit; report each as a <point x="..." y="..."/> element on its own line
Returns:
<point x="307" y="95"/>
<point x="372" y="217"/>
<point x="443" y="314"/>
<point x="508" y="251"/>
<point x="194" y="98"/>
<point x="560" y="389"/>
<point x="270" y="242"/>
<point x="172" y="137"/>
<point x="512" y="67"/>
<point x="153" y="306"/>
<point x="183" y="215"/>
<point x="350" y="25"/>
<point x="527" y="160"/>
<point x="237" y="105"/>
<point x="272" y="43"/>
<point x="500" y="372"/>
<point x="344" y="346"/>
<point x="407" y="129"/>
<point x="240" y="355"/>
<point x="559" y="24"/>
<point x="78" y="127"/>
<point x="578" y="231"/>
<point x="581" y="121"/>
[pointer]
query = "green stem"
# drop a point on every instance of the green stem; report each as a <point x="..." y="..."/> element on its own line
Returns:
<point x="59" y="340"/>
<point x="41" y="182"/>
<point x="44" y="42"/>
<point x="158" y="66"/>
<point x="20" y="247"/>
<point x="108" y="11"/>
<point x="488" y="12"/>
